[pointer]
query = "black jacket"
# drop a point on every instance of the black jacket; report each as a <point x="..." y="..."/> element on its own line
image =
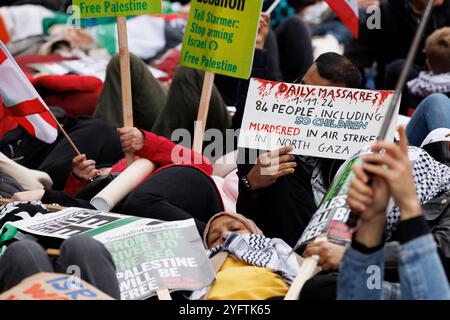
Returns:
<point x="437" y="213"/>
<point x="246" y="158"/>
<point x="393" y="40"/>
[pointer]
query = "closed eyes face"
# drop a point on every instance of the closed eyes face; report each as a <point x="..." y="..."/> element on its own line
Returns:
<point x="220" y="227"/>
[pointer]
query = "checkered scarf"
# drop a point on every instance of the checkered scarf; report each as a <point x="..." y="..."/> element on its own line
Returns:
<point x="257" y="250"/>
<point x="428" y="83"/>
<point x="431" y="178"/>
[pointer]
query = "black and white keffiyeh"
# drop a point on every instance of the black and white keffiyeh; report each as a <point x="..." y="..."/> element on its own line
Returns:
<point x="431" y="178"/>
<point x="258" y="250"/>
<point x="428" y="83"/>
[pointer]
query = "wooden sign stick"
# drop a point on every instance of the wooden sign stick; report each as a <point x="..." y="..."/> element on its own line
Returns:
<point x="205" y="99"/>
<point x="125" y="77"/>
<point x="163" y="294"/>
<point x="305" y="273"/>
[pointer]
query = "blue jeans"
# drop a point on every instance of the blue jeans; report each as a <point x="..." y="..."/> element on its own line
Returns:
<point x="432" y="113"/>
<point x="422" y="276"/>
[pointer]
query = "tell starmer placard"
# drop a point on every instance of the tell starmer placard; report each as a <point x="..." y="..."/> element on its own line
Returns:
<point x="220" y="36"/>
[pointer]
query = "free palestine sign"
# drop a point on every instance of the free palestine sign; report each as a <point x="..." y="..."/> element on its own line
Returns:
<point x="115" y="8"/>
<point x="220" y="36"/>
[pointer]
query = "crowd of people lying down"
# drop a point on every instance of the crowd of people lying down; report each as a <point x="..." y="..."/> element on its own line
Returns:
<point x="270" y="196"/>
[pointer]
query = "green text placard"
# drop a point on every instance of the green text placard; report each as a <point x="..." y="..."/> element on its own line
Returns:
<point x="220" y="36"/>
<point x="115" y="8"/>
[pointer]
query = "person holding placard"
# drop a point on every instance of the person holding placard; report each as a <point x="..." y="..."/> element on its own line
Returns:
<point x="180" y="188"/>
<point x="283" y="199"/>
<point x="432" y="185"/>
<point x="421" y="273"/>
<point x="281" y="192"/>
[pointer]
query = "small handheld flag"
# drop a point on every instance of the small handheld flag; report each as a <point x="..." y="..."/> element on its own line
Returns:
<point x="22" y="101"/>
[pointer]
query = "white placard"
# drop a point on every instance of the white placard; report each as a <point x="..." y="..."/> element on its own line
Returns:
<point x="326" y="122"/>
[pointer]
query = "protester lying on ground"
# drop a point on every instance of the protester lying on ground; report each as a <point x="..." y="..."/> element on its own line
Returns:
<point x="421" y="273"/>
<point x="437" y="78"/>
<point x="248" y="265"/>
<point x="25" y="258"/>
<point x="181" y="187"/>
<point x="161" y="151"/>
<point x="93" y="137"/>
<point x="282" y="202"/>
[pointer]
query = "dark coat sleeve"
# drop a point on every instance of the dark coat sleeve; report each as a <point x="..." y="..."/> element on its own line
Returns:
<point x="63" y="199"/>
<point x="246" y="157"/>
